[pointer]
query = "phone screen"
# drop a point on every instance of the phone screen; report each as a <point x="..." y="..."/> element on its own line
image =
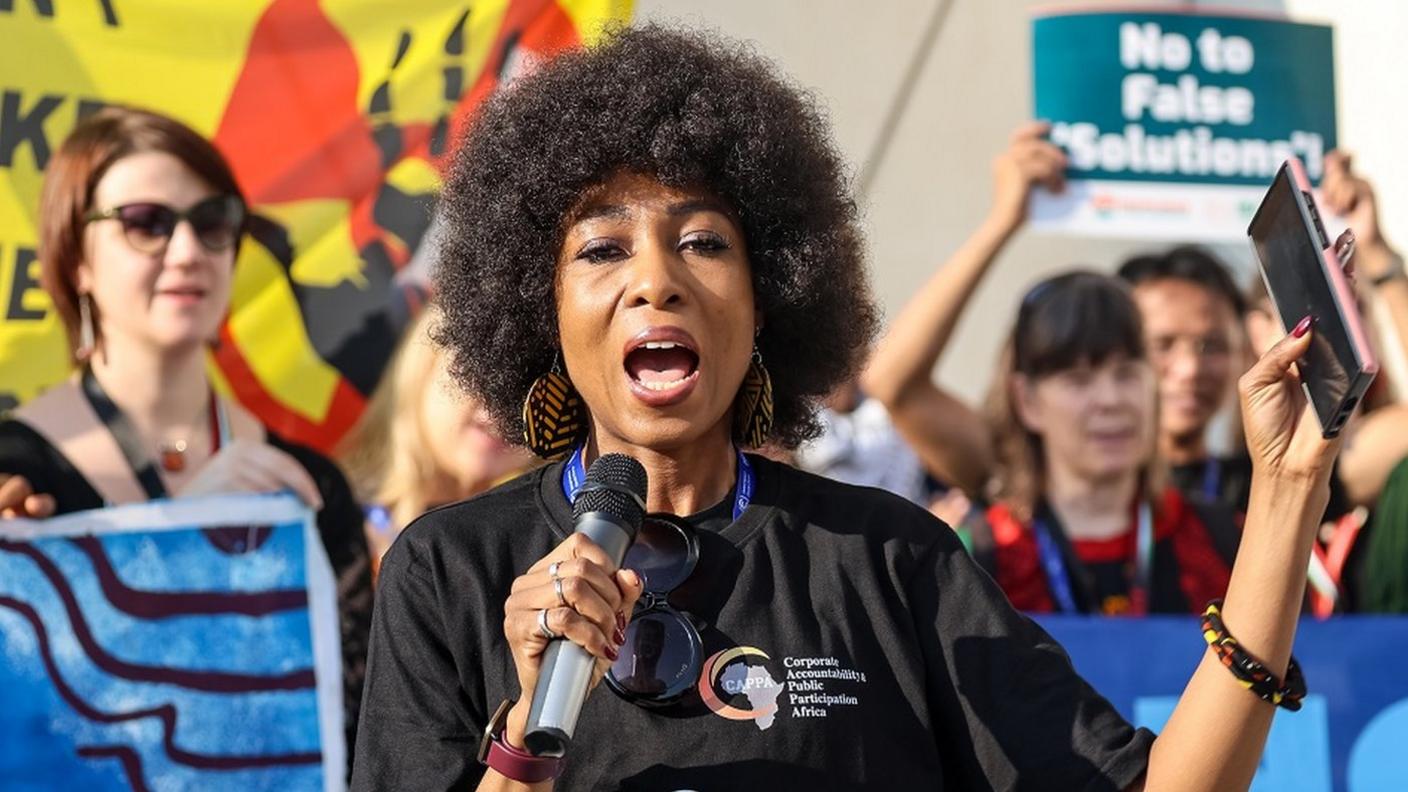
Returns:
<point x="1289" y="245"/>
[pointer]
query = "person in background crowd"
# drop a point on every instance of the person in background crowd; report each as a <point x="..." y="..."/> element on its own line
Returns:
<point x="1192" y="313"/>
<point x="421" y="444"/>
<point x="139" y="226"/>
<point x="1075" y="515"/>
<point x="859" y="445"/>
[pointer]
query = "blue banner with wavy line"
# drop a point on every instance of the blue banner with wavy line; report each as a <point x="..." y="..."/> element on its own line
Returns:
<point x="170" y="645"/>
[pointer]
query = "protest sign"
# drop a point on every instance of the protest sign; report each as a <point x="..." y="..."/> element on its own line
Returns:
<point x="338" y="118"/>
<point x="1348" y="737"/>
<point x="1175" y="123"/>
<point x="187" y="644"/>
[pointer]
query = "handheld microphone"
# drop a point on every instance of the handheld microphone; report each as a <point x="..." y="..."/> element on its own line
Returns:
<point x="608" y="509"/>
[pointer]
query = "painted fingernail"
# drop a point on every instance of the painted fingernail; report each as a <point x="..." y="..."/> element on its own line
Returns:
<point x="620" y="621"/>
<point x="619" y="636"/>
<point x="1302" y="327"/>
<point x="612" y="653"/>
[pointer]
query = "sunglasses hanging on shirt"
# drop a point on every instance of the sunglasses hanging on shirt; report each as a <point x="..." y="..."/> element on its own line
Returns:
<point x="663" y="653"/>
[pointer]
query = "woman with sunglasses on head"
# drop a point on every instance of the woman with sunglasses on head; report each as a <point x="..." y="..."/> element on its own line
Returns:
<point x="1072" y="513"/>
<point x="139" y="226"/>
<point x="650" y="250"/>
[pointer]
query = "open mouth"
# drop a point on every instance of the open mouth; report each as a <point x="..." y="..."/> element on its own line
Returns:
<point x="663" y="365"/>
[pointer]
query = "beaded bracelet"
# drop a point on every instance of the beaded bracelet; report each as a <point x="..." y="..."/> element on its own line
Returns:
<point x="1251" y="674"/>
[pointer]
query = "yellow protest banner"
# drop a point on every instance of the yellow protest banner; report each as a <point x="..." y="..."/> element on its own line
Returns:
<point x="337" y="117"/>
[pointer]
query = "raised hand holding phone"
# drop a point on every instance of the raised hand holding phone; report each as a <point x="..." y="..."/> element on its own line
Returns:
<point x="1305" y="278"/>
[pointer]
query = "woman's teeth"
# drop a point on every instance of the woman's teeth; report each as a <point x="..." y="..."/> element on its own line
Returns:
<point x="666" y="385"/>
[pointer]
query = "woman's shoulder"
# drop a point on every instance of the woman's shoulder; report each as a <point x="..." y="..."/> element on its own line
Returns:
<point x="21" y="443"/>
<point x="36" y="426"/>
<point x="15" y="430"/>
<point x="876" y="513"/>
<point x="28" y="452"/>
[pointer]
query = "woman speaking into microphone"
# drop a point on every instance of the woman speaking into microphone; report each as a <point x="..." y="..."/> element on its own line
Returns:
<point x="650" y="249"/>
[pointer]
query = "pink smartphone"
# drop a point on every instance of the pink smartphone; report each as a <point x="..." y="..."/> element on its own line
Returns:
<point x="1304" y="278"/>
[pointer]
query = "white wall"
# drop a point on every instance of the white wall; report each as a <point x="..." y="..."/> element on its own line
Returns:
<point x="932" y="187"/>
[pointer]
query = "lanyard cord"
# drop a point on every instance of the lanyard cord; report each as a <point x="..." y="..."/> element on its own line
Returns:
<point x="1058" y="577"/>
<point x="1212" y="478"/>
<point x="574" y="475"/>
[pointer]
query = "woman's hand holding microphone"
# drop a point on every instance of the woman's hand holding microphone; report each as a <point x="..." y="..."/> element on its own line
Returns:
<point x="568" y="593"/>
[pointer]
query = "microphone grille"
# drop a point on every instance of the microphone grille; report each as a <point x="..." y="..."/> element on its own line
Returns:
<point x="616" y="484"/>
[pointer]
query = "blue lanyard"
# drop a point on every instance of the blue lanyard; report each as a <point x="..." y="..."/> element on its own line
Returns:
<point x="380" y="519"/>
<point x="1060" y="581"/>
<point x="1212" y="478"/>
<point x="1055" y="568"/>
<point x="574" y="474"/>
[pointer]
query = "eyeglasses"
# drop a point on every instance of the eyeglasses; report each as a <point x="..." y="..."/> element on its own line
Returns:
<point x="663" y="653"/>
<point x="217" y="222"/>
<point x="1203" y="348"/>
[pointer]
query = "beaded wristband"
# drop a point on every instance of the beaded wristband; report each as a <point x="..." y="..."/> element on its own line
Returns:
<point x="1251" y="674"/>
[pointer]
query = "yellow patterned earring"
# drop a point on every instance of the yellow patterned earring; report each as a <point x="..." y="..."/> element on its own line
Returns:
<point x="554" y="417"/>
<point x="753" y="416"/>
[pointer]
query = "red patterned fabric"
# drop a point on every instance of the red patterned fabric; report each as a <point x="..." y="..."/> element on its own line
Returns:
<point x="1202" y="573"/>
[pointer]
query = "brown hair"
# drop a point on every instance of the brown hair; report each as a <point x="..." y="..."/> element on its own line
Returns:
<point x="1064" y="321"/>
<point x="98" y="142"/>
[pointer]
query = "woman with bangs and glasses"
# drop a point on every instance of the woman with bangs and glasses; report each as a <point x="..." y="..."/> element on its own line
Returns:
<point x="649" y="249"/>
<point x="139" y="225"/>
<point x="1072" y="511"/>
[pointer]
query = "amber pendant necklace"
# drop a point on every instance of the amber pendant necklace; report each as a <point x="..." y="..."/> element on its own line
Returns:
<point x="134" y="448"/>
<point x="171" y="454"/>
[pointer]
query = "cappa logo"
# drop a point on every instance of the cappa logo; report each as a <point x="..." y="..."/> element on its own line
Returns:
<point x="738" y="673"/>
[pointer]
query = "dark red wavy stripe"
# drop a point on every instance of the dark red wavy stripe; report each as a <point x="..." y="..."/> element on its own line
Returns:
<point x="131" y="762"/>
<point x="157" y="605"/>
<point x="166" y="713"/>
<point x="210" y="681"/>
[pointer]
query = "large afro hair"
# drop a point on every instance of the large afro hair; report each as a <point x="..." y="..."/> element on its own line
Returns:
<point x="691" y="110"/>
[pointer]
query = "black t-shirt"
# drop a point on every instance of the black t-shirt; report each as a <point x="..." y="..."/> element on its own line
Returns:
<point x="27" y="453"/>
<point x="893" y="661"/>
<point x="1224" y="480"/>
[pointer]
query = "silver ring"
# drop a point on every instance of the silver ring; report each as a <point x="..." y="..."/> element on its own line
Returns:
<point x="557" y="588"/>
<point x="552" y="569"/>
<point x="543" y="628"/>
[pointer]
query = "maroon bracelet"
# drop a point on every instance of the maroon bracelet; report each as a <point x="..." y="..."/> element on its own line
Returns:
<point x="511" y="762"/>
<point x="521" y="765"/>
